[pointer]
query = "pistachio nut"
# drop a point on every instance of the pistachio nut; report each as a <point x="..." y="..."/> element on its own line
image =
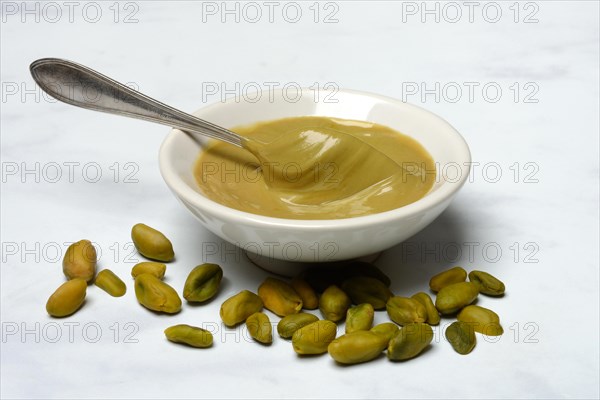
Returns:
<point x="68" y="298"/>
<point x="482" y="320"/>
<point x="448" y="277"/>
<point x="156" y="295"/>
<point x="433" y="316"/>
<point x="80" y="261"/>
<point x="404" y="310"/>
<point x="239" y="307"/>
<point x="410" y="341"/>
<point x="360" y="318"/>
<point x="310" y="301"/>
<point x="357" y="347"/>
<point x="190" y="335"/>
<point x="202" y="283"/>
<point x="149" y="267"/>
<point x="488" y="284"/>
<point x="364" y="289"/>
<point x="110" y="283"/>
<point x="452" y="298"/>
<point x="461" y="336"/>
<point x="291" y="323"/>
<point x="334" y="303"/>
<point x="279" y="297"/>
<point x="260" y="328"/>
<point x="151" y="243"/>
<point x="314" y="338"/>
<point x="387" y="330"/>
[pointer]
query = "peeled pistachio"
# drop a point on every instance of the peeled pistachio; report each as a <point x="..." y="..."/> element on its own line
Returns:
<point x="461" y="336"/>
<point x="238" y="308"/>
<point x="149" y="267"/>
<point x="156" y="295"/>
<point x="260" y="328"/>
<point x="314" y="338"/>
<point x="67" y="299"/>
<point x="387" y="330"/>
<point x="190" y="335"/>
<point x="488" y="284"/>
<point x="482" y="320"/>
<point x="357" y="347"/>
<point x="454" y="297"/>
<point x="291" y="323"/>
<point x="364" y="289"/>
<point x="410" y="341"/>
<point x="202" y="283"/>
<point x="80" y="261"/>
<point x="448" y="277"/>
<point x="310" y="301"/>
<point x="359" y="318"/>
<point x="404" y="310"/>
<point x="433" y="316"/>
<point x="279" y="297"/>
<point x="334" y="303"/>
<point x="151" y="243"/>
<point x="110" y="283"/>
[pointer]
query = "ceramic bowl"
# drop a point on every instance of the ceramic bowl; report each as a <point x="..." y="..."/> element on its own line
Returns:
<point x="291" y="240"/>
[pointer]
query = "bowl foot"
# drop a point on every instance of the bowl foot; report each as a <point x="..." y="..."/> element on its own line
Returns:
<point x="290" y="269"/>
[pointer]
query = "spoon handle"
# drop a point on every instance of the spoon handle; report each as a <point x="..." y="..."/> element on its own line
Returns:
<point x="81" y="86"/>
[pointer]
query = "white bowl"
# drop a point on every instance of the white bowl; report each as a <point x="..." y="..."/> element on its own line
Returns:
<point x="319" y="240"/>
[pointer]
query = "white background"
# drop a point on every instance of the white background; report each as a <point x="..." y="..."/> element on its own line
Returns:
<point x="544" y="220"/>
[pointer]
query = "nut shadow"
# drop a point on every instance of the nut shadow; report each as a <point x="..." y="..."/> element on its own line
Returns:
<point x="409" y="265"/>
<point x="231" y="258"/>
<point x="436" y="248"/>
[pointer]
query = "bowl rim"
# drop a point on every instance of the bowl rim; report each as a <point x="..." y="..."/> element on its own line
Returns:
<point x="429" y="201"/>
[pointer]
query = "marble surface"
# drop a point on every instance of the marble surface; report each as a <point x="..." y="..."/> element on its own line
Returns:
<point x="528" y="215"/>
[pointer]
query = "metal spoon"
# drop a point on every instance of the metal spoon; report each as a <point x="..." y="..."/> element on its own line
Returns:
<point x="81" y="86"/>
